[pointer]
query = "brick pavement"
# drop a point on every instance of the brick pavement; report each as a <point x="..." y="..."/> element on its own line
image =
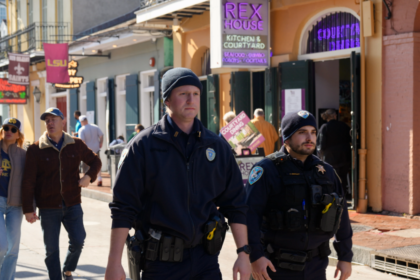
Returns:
<point x="106" y="184"/>
<point x="379" y="237"/>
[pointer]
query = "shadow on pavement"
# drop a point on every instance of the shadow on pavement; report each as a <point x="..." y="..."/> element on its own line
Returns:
<point x="27" y="274"/>
<point x="92" y="269"/>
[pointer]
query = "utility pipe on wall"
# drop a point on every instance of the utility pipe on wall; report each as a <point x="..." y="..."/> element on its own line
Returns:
<point x="362" y="201"/>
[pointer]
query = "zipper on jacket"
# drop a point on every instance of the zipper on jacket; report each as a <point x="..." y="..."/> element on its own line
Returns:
<point x="189" y="194"/>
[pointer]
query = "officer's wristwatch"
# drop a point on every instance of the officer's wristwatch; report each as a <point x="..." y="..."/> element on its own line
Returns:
<point x="246" y="249"/>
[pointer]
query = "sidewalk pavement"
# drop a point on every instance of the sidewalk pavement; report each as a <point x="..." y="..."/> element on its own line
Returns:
<point x="390" y="235"/>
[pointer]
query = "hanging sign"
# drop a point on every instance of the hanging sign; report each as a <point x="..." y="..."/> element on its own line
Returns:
<point x="338" y="31"/>
<point x="19" y="68"/>
<point x="239" y="33"/>
<point x="75" y="82"/>
<point x="56" y="60"/>
<point x="12" y="94"/>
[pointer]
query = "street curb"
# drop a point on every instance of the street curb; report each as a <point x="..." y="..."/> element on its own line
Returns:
<point x="105" y="197"/>
<point x="360" y="254"/>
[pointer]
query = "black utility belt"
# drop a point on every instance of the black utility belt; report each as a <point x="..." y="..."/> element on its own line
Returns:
<point x="296" y="260"/>
<point x="171" y="249"/>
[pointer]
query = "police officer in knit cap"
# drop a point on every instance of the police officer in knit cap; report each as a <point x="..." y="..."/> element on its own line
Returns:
<point x="296" y="206"/>
<point x="172" y="178"/>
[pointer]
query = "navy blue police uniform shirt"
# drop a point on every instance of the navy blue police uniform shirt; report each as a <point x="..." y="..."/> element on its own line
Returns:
<point x="6" y="165"/>
<point x="258" y="195"/>
<point x="186" y="142"/>
<point x="162" y="186"/>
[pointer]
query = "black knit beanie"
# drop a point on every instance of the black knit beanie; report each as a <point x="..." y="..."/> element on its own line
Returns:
<point x="178" y="77"/>
<point x="292" y="121"/>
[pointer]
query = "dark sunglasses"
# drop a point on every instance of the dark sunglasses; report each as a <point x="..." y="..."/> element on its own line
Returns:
<point x="6" y="128"/>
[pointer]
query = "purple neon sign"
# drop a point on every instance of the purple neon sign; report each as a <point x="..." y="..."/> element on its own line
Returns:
<point x="242" y="57"/>
<point x="236" y="16"/>
<point x="337" y="31"/>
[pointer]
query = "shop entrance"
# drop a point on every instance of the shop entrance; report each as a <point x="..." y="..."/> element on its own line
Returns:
<point x="333" y="84"/>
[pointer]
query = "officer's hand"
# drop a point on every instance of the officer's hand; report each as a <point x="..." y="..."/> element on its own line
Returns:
<point x="243" y="266"/>
<point x="114" y="272"/>
<point x="84" y="182"/>
<point x="345" y="268"/>
<point x="259" y="268"/>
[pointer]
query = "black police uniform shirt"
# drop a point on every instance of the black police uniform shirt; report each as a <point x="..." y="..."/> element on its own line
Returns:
<point x="258" y="194"/>
<point x="160" y="187"/>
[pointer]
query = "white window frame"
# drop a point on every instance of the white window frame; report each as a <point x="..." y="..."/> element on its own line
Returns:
<point x="120" y="106"/>
<point x="146" y="113"/>
<point x="324" y="55"/>
<point x="102" y="117"/>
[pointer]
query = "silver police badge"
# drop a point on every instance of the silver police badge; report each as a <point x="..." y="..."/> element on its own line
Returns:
<point x="304" y="114"/>
<point x="211" y="154"/>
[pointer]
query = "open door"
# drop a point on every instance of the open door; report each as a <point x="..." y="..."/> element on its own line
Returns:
<point x="212" y="99"/>
<point x="74" y="105"/>
<point x="300" y="75"/>
<point x="355" y="124"/>
<point x="132" y="103"/>
<point x="241" y="92"/>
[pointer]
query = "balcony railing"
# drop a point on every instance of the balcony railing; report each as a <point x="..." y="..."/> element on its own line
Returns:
<point x="147" y="3"/>
<point x="32" y="37"/>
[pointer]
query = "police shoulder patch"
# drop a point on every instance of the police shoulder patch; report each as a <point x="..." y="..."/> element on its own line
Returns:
<point x="211" y="154"/>
<point x="122" y="158"/>
<point x="255" y="174"/>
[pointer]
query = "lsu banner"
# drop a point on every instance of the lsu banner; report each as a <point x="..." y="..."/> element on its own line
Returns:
<point x="56" y="63"/>
<point x="19" y="69"/>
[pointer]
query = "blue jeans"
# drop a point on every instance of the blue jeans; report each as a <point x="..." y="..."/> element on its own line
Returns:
<point x="72" y="219"/>
<point x="9" y="238"/>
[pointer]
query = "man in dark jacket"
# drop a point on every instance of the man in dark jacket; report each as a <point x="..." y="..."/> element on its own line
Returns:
<point x="334" y="144"/>
<point x="171" y="179"/>
<point x="295" y="202"/>
<point x="51" y="178"/>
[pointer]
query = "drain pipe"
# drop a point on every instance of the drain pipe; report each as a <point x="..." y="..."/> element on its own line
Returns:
<point x="362" y="201"/>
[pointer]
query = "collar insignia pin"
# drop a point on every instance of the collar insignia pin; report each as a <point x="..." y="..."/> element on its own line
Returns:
<point x="321" y="169"/>
<point x="211" y="154"/>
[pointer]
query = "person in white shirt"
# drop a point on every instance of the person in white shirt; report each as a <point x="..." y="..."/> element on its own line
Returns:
<point x="93" y="137"/>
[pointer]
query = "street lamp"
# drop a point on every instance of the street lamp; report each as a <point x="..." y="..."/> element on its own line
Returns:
<point x="37" y="94"/>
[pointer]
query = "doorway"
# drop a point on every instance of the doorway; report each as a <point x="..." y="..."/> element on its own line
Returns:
<point x="328" y="85"/>
<point x="62" y="106"/>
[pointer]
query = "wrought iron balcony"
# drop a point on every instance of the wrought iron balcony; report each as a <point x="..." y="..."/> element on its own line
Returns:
<point x="32" y="37"/>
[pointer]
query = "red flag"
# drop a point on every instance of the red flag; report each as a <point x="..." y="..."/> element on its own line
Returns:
<point x="19" y="68"/>
<point x="56" y="62"/>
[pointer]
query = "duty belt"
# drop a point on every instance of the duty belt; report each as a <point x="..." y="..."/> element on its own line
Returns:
<point x="292" y="259"/>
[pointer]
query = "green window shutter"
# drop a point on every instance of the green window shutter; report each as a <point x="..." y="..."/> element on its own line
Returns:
<point x="158" y="106"/>
<point x="300" y="74"/>
<point x="168" y="52"/>
<point x="258" y="91"/>
<point x="91" y="98"/>
<point x="74" y="105"/>
<point x="241" y="92"/>
<point x="111" y="109"/>
<point x="212" y="99"/>
<point x="131" y="102"/>
<point x="203" y="104"/>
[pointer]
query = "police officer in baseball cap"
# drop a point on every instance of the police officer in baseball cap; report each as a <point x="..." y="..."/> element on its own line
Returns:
<point x="296" y="206"/>
<point x="172" y="178"/>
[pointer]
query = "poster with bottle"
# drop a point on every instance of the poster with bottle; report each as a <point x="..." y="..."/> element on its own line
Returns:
<point x="241" y="134"/>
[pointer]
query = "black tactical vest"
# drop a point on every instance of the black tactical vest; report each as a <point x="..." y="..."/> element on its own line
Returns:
<point x="294" y="204"/>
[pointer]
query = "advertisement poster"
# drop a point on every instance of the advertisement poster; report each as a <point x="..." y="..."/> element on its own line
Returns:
<point x="245" y="164"/>
<point x="242" y="134"/>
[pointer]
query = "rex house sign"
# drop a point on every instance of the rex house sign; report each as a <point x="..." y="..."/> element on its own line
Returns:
<point x="239" y="33"/>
